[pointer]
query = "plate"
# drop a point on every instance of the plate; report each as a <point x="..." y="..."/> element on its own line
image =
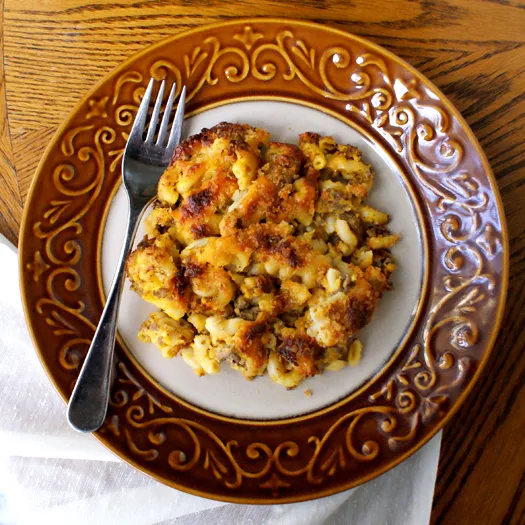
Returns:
<point x="254" y="442"/>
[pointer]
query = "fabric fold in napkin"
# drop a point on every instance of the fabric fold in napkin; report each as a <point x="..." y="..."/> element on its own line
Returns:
<point x="52" y="474"/>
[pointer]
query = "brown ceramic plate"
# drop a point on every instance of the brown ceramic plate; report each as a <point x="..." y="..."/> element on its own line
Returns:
<point x="220" y="436"/>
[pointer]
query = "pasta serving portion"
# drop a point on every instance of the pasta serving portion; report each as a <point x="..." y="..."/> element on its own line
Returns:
<point x="263" y="255"/>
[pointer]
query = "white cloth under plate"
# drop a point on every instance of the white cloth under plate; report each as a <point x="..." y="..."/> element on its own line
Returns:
<point x="51" y="474"/>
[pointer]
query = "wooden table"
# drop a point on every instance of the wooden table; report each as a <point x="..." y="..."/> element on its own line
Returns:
<point x="472" y="50"/>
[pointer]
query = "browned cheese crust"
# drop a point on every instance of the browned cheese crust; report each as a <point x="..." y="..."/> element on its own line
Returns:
<point x="263" y="254"/>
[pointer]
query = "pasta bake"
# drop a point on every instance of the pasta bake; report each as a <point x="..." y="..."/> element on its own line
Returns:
<point x="262" y="255"/>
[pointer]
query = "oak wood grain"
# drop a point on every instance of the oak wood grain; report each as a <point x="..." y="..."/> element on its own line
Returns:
<point x="10" y="200"/>
<point x="473" y="50"/>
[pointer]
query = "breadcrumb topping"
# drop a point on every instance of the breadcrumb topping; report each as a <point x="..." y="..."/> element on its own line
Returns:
<point x="263" y="255"/>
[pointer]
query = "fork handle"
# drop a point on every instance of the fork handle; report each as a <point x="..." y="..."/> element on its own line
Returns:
<point x="89" y="401"/>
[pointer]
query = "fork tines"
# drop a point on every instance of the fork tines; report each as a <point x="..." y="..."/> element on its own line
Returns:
<point x="137" y="130"/>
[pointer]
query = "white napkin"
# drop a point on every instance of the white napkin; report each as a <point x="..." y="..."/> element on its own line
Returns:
<point x="51" y="474"/>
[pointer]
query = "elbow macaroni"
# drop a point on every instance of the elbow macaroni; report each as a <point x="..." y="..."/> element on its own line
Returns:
<point x="263" y="255"/>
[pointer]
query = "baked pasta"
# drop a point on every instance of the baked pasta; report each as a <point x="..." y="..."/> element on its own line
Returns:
<point x="262" y="255"/>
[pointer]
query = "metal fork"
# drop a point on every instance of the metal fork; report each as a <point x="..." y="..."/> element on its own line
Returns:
<point x="143" y="163"/>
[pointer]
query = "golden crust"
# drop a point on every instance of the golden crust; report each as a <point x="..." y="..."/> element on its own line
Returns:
<point x="263" y="253"/>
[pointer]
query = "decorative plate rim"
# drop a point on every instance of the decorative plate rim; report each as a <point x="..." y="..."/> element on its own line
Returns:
<point x="501" y="297"/>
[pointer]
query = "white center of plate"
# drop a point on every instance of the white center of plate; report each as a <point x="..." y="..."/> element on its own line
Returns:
<point x="228" y="393"/>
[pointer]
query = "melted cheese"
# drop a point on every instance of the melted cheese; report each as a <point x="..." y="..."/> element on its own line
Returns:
<point x="263" y="254"/>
